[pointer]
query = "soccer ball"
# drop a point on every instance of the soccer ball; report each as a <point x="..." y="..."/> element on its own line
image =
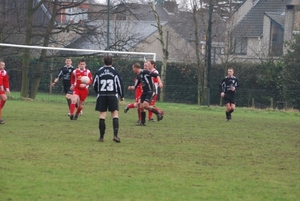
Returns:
<point x="85" y="79"/>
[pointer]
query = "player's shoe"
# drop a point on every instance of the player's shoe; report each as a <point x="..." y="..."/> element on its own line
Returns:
<point x="71" y="116"/>
<point x="160" y="115"/>
<point x="126" y="109"/>
<point x="2" y="121"/>
<point x="101" y="139"/>
<point x="116" y="139"/>
<point x="75" y="117"/>
<point x="151" y="120"/>
<point x="141" y="124"/>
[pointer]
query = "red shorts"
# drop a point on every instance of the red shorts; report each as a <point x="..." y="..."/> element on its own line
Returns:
<point x="153" y="100"/>
<point x="138" y="97"/>
<point x="82" y="93"/>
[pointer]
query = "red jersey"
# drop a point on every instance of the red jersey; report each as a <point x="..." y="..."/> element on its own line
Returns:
<point x="155" y="81"/>
<point x="4" y="81"/>
<point x="77" y="74"/>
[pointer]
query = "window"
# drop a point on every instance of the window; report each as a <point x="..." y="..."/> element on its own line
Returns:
<point x="240" y="46"/>
<point x="76" y="14"/>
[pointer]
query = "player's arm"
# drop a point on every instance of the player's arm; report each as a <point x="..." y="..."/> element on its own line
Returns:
<point x="222" y="87"/>
<point x="120" y="86"/>
<point x="1" y="83"/>
<point x="73" y="80"/>
<point x="91" y="78"/>
<point x="59" y="75"/>
<point x="96" y="83"/>
<point x="6" y="82"/>
<point x="160" y="84"/>
<point x="136" y="84"/>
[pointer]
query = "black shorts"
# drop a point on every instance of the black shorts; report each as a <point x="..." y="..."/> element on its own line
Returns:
<point x="104" y="103"/>
<point x="147" y="97"/>
<point x="67" y="89"/>
<point x="229" y="98"/>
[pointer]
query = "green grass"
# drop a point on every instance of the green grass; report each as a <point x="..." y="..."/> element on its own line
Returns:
<point x="192" y="154"/>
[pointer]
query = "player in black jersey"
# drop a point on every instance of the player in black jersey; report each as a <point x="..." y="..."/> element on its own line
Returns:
<point x="108" y="85"/>
<point x="145" y="77"/>
<point x="65" y="73"/>
<point x="228" y="88"/>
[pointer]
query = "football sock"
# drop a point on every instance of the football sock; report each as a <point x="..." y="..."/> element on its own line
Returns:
<point x="78" y="110"/>
<point x="227" y="114"/>
<point x="116" y="126"/>
<point x="150" y="114"/>
<point x="131" y="105"/>
<point x="231" y="111"/>
<point x="69" y="102"/>
<point x="143" y="114"/>
<point x="2" y="103"/>
<point x="72" y="108"/>
<point x="76" y="105"/>
<point x="102" y="127"/>
<point x="155" y="111"/>
<point x="139" y="114"/>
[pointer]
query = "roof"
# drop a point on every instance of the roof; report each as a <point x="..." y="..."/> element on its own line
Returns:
<point x="123" y="35"/>
<point x="277" y="17"/>
<point x="252" y="23"/>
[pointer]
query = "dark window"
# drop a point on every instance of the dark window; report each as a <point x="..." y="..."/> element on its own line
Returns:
<point x="276" y="41"/>
<point x="240" y="45"/>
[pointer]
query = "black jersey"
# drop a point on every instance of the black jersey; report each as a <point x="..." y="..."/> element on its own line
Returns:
<point x="227" y="83"/>
<point x="65" y="73"/>
<point x="108" y="82"/>
<point x="145" y="77"/>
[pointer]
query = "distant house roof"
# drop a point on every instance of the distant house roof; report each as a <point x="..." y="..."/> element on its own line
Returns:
<point x="252" y="23"/>
<point x="124" y="35"/>
<point x="277" y="17"/>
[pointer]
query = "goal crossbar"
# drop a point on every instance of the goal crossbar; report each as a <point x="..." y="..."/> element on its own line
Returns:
<point x="83" y="50"/>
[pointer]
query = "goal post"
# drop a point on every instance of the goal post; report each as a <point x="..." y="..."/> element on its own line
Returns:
<point x="81" y="50"/>
<point x="40" y="73"/>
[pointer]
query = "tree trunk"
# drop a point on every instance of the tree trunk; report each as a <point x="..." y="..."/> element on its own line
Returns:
<point x="164" y="50"/>
<point x="40" y="67"/>
<point x="26" y="54"/>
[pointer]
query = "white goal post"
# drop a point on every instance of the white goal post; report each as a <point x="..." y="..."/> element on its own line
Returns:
<point x="82" y="50"/>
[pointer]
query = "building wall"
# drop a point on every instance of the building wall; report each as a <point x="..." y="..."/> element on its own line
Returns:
<point x="179" y="49"/>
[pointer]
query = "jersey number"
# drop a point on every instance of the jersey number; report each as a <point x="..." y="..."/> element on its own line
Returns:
<point x="107" y="85"/>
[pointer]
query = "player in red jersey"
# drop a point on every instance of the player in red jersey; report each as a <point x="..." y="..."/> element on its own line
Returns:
<point x="152" y="68"/>
<point x="80" y="90"/>
<point x="4" y="88"/>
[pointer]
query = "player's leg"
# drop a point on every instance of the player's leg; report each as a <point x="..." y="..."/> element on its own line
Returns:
<point x="101" y="106"/>
<point x="82" y="96"/>
<point x="146" y="105"/>
<point x="113" y="107"/>
<point x="74" y="100"/>
<point x="3" y="99"/>
<point x="150" y="113"/>
<point x="142" y="110"/>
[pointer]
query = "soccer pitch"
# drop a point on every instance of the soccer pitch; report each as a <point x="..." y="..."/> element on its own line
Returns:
<point x="192" y="154"/>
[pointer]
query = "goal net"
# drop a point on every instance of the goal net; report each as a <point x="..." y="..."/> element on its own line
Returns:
<point x="32" y="69"/>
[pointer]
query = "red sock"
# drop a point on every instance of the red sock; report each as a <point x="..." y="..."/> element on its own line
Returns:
<point x="72" y="108"/>
<point x="131" y="105"/>
<point x="2" y="103"/>
<point x="78" y="110"/>
<point x="150" y="114"/>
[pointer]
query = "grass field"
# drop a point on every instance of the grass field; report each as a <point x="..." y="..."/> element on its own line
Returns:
<point x="192" y="154"/>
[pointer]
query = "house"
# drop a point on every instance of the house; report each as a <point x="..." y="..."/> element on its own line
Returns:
<point x="258" y="29"/>
<point x="135" y="24"/>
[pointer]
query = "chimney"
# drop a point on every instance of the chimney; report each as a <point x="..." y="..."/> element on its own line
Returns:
<point x="171" y="6"/>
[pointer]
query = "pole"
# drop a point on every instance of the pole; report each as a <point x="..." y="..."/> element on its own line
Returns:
<point x="108" y="23"/>
<point x="209" y="42"/>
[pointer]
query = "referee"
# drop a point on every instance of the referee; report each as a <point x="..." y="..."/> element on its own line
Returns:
<point x="228" y="88"/>
<point x="109" y="86"/>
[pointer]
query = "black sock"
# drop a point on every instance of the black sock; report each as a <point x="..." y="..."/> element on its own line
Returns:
<point x="116" y="126"/>
<point x="227" y="114"/>
<point x="231" y="111"/>
<point x="102" y="127"/>
<point x="69" y="102"/>
<point x="143" y="117"/>
<point x="154" y="111"/>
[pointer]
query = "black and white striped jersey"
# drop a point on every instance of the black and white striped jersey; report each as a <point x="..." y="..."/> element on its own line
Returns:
<point x="145" y="77"/>
<point x="107" y="82"/>
<point x="65" y="73"/>
<point x="227" y="83"/>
